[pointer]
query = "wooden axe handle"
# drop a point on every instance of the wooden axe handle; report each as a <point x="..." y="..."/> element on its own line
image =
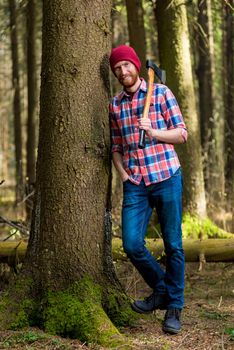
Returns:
<point x="149" y="92"/>
<point x="147" y="105"/>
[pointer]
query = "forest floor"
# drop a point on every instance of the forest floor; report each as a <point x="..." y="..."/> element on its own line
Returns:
<point x="208" y="316"/>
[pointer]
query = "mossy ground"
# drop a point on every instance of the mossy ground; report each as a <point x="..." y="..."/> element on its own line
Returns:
<point x="207" y="317"/>
<point x="195" y="228"/>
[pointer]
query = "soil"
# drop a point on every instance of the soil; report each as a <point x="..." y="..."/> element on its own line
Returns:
<point x="207" y="318"/>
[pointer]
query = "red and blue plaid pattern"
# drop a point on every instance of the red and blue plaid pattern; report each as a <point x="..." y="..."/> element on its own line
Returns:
<point x="158" y="160"/>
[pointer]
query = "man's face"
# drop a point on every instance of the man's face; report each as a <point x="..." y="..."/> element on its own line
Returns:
<point x="126" y="73"/>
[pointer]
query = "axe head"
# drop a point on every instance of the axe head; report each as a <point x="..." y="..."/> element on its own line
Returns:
<point x="161" y="74"/>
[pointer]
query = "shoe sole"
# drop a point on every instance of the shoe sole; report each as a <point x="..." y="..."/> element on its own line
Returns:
<point x="170" y="330"/>
<point x="140" y="311"/>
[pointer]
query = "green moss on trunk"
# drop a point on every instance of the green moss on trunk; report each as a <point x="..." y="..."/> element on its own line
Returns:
<point x="76" y="312"/>
<point x="17" y="307"/>
<point x="119" y="309"/>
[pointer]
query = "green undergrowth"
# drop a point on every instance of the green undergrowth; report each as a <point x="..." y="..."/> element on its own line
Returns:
<point x="24" y="338"/>
<point x="76" y="313"/>
<point x="193" y="227"/>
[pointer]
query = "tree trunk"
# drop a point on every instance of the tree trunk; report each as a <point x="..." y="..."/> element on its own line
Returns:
<point x="211" y="126"/>
<point x="119" y="36"/>
<point x="136" y="29"/>
<point x="69" y="250"/>
<point x="16" y="104"/>
<point x="4" y="128"/>
<point x="32" y="99"/>
<point x="175" y="58"/>
<point x="228" y="88"/>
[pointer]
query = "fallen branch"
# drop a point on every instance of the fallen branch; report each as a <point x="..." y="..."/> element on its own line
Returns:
<point x="12" y="224"/>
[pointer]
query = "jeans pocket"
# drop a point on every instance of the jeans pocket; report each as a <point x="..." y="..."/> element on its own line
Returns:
<point x="124" y="182"/>
<point x="177" y="173"/>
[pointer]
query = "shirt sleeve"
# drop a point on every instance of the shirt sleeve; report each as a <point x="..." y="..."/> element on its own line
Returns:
<point x="171" y="111"/>
<point x="116" y="137"/>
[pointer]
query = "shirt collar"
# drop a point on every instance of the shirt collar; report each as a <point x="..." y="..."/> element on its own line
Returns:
<point x="142" y="87"/>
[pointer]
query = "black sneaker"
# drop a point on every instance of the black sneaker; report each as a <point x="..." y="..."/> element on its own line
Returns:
<point x="149" y="304"/>
<point x="172" y="322"/>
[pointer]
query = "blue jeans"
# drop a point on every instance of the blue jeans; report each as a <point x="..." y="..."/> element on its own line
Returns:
<point x="138" y="203"/>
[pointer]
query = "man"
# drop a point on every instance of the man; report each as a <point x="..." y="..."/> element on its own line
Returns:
<point x="151" y="178"/>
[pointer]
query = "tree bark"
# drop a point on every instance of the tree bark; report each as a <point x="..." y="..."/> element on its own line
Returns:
<point x="32" y="99"/>
<point x="4" y="128"/>
<point x="68" y="269"/>
<point x="174" y="53"/>
<point x="16" y="103"/>
<point x="73" y="159"/>
<point x="136" y="29"/>
<point x="210" y="121"/>
<point x="228" y="88"/>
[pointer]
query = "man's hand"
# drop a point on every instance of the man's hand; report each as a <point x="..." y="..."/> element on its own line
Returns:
<point x="124" y="177"/>
<point x="118" y="162"/>
<point x="173" y="136"/>
<point x="145" y="124"/>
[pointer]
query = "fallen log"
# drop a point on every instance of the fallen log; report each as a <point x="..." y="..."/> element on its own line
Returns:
<point x="214" y="250"/>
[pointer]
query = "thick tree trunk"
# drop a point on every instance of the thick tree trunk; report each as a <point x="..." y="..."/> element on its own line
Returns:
<point x="175" y="57"/>
<point x="228" y="88"/>
<point x="32" y="100"/>
<point x="73" y="157"/>
<point x="16" y="104"/>
<point x="136" y="29"/>
<point x="211" y="126"/>
<point x="69" y="250"/>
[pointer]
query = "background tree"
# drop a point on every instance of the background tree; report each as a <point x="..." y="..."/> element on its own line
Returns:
<point x="228" y="88"/>
<point x="136" y="29"/>
<point x="210" y="115"/>
<point x="174" y="53"/>
<point x="16" y="103"/>
<point x="68" y="276"/>
<point x="4" y="106"/>
<point x="32" y="97"/>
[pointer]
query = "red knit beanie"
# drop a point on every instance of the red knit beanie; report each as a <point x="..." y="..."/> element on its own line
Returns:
<point x="124" y="53"/>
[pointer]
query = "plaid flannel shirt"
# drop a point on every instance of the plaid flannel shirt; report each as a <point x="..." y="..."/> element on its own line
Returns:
<point x="158" y="161"/>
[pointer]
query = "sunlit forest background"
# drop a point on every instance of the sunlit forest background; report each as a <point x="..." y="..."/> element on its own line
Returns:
<point x="136" y="23"/>
<point x="56" y="179"/>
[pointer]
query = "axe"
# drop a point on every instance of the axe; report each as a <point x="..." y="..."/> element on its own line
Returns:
<point x="161" y="74"/>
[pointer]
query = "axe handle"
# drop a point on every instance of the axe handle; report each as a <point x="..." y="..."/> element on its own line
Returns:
<point x="147" y="105"/>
